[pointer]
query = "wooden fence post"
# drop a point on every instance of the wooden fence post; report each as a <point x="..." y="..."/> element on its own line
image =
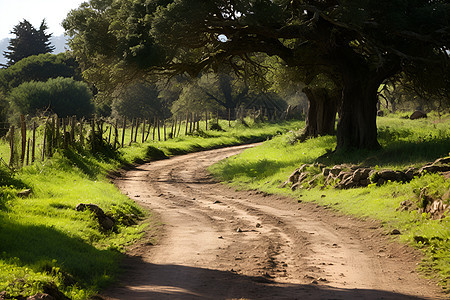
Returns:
<point x="72" y="130"/>
<point x="187" y="123"/>
<point x="143" y="131"/>
<point x="64" y="133"/>
<point x="109" y="135"/>
<point x="138" y="124"/>
<point x="148" y="130"/>
<point x="23" y="127"/>
<point x="116" y="134"/>
<point x="159" y="131"/>
<point x="132" y="131"/>
<point x="45" y="140"/>
<point x="57" y="133"/>
<point x="81" y="133"/>
<point x="28" y="152"/>
<point x="33" y="150"/>
<point x="179" y="126"/>
<point x="93" y="135"/>
<point x="11" y="144"/>
<point x="164" y="126"/>
<point x="123" y="130"/>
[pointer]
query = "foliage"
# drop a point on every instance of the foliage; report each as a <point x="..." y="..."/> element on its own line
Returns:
<point x="346" y="42"/>
<point x="39" y="68"/>
<point x="63" y="96"/>
<point x="140" y="100"/>
<point x="28" y="41"/>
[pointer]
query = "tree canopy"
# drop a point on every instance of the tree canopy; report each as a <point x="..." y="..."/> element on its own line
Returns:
<point x="28" y="41"/>
<point x="63" y="96"/>
<point x="39" y="68"/>
<point x="356" y="44"/>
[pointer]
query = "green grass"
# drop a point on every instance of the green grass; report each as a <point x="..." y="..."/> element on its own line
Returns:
<point x="46" y="242"/>
<point x="405" y="143"/>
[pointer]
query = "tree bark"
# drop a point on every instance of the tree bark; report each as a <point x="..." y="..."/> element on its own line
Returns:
<point x="321" y="114"/>
<point x="357" y="127"/>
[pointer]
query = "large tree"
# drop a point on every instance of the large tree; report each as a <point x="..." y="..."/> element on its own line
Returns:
<point x="356" y="44"/>
<point x="28" y="41"/>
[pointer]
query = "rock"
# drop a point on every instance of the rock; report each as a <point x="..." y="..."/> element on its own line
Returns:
<point x="442" y="160"/>
<point x="364" y="182"/>
<point x="294" y="176"/>
<point x="302" y="177"/>
<point x="410" y="174"/>
<point x="395" y="232"/>
<point x="361" y="174"/>
<point x="344" y="175"/>
<point x="296" y="186"/>
<point x="434" y="169"/>
<point x="418" y="114"/>
<point x="105" y="221"/>
<point x="24" y="193"/>
<point x="336" y="170"/>
<point x="41" y="296"/>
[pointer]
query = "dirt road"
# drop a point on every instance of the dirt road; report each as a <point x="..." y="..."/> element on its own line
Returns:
<point x="218" y="243"/>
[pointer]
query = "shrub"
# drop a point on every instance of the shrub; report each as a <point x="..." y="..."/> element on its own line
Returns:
<point x="63" y="96"/>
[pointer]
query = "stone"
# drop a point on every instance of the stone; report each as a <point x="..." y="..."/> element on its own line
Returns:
<point x="336" y="170"/>
<point x="41" y="296"/>
<point x="294" y="176"/>
<point x="395" y="232"/>
<point x="391" y="175"/>
<point x="442" y="160"/>
<point x="434" y="169"/>
<point x="418" y="114"/>
<point x="302" y="177"/>
<point x="105" y="221"/>
<point x="24" y="193"/>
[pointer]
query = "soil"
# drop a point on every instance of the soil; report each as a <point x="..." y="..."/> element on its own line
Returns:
<point x="219" y="243"/>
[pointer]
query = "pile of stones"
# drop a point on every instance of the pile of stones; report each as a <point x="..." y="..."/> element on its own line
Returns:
<point x="347" y="176"/>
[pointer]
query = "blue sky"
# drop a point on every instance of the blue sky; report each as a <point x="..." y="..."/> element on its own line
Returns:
<point x="54" y="11"/>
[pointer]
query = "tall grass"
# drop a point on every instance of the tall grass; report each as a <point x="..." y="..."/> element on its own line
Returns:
<point x="405" y="143"/>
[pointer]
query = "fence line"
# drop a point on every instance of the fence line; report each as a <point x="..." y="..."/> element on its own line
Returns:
<point x="61" y="133"/>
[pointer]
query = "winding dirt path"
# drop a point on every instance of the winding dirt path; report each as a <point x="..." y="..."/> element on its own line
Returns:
<point x="218" y="243"/>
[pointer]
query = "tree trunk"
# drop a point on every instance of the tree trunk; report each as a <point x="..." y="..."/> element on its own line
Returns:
<point x="321" y="115"/>
<point x="357" y="127"/>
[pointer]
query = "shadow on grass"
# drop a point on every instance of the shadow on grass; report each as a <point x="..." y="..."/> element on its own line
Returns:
<point x="395" y="153"/>
<point x="144" y="280"/>
<point x="41" y="248"/>
<point x="257" y="169"/>
<point x="8" y="186"/>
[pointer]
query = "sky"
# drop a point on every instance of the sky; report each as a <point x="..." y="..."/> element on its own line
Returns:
<point x="54" y="12"/>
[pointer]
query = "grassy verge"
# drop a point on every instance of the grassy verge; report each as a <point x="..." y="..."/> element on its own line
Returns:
<point x="48" y="246"/>
<point x="405" y="143"/>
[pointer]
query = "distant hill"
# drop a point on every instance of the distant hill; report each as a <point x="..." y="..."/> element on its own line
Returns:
<point x="58" y="41"/>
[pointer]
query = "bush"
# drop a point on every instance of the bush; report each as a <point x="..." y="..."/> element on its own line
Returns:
<point x="63" y="96"/>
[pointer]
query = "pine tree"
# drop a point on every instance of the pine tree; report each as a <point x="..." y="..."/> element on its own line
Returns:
<point x="28" y="41"/>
